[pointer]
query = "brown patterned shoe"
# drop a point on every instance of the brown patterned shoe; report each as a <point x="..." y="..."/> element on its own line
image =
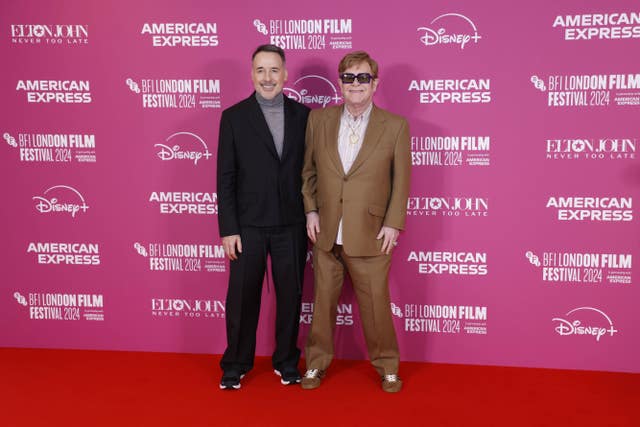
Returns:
<point x="391" y="383"/>
<point x="312" y="379"/>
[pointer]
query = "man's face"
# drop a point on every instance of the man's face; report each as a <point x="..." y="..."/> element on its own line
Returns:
<point x="358" y="95"/>
<point x="268" y="74"/>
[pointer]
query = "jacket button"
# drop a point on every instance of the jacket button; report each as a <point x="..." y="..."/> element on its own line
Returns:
<point x="345" y="179"/>
<point x="340" y="199"/>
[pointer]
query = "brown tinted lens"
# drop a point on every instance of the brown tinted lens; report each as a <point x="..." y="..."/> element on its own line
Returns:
<point x="348" y="77"/>
<point x="364" y="77"/>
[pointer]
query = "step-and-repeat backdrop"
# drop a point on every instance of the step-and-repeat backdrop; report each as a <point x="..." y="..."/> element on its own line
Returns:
<point x="522" y="223"/>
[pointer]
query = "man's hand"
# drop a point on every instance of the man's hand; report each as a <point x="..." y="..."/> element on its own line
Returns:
<point x="229" y="243"/>
<point x="313" y="225"/>
<point x="390" y="235"/>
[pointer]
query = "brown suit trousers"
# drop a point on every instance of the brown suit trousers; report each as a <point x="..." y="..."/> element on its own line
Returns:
<point x="369" y="278"/>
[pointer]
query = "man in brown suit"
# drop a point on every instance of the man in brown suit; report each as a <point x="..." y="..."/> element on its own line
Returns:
<point x="355" y="184"/>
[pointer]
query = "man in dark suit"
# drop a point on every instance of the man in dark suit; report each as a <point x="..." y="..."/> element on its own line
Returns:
<point x="260" y="213"/>
<point x="355" y="185"/>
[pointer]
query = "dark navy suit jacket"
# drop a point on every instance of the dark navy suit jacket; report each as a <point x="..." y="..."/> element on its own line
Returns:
<point x="256" y="188"/>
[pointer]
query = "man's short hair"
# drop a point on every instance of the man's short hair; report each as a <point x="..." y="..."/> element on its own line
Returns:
<point x="355" y="58"/>
<point x="269" y="48"/>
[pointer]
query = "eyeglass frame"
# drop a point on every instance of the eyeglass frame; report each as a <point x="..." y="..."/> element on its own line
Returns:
<point x="369" y="77"/>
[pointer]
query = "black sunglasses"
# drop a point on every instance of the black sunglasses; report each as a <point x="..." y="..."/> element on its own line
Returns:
<point x="348" y="78"/>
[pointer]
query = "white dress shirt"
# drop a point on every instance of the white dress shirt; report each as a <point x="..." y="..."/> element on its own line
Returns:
<point x="350" y="137"/>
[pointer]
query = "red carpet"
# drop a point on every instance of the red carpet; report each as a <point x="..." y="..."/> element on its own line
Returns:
<point x="95" y="388"/>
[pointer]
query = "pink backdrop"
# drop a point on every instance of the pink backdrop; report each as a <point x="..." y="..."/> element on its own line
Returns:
<point x="522" y="224"/>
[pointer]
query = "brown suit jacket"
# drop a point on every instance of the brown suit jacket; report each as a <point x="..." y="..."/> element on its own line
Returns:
<point x="372" y="194"/>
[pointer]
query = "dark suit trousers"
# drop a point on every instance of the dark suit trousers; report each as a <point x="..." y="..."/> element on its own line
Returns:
<point x="287" y="246"/>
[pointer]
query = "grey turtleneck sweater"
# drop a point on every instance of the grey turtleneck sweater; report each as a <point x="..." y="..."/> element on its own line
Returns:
<point x="273" y="110"/>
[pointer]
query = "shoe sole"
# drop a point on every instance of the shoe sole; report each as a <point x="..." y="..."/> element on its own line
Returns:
<point x="283" y="382"/>
<point x="231" y="387"/>
<point x="310" y="387"/>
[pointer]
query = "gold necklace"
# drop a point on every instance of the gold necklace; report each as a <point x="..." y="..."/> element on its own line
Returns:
<point x="354" y="134"/>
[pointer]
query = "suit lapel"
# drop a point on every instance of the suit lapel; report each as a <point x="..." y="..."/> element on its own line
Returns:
<point x="331" y="129"/>
<point x="258" y="122"/>
<point x="371" y="139"/>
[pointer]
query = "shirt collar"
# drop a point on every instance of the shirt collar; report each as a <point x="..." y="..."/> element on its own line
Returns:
<point x="365" y="116"/>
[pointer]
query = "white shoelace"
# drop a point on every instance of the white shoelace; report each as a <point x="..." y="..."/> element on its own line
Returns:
<point x="312" y="373"/>
<point x="390" y="378"/>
